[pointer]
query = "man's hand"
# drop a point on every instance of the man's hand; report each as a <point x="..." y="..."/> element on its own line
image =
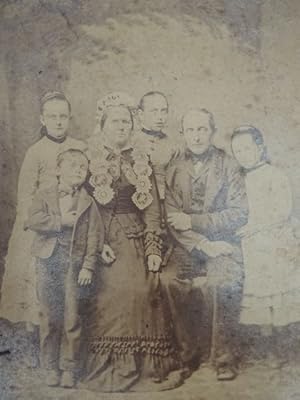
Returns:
<point x="108" y="255"/>
<point x="68" y="219"/>
<point x="180" y="221"/>
<point x="200" y="282"/>
<point x="85" y="277"/>
<point x="215" y="249"/>
<point x="154" y="263"/>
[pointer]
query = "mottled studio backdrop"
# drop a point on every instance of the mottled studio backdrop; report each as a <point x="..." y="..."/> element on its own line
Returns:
<point x="238" y="58"/>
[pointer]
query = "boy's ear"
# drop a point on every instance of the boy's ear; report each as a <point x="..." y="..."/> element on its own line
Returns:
<point x="42" y="120"/>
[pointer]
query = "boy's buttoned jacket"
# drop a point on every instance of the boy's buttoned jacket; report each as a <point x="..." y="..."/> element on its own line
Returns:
<point x="88" y="231"/>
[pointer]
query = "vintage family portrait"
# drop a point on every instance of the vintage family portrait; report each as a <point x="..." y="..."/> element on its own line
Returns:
<point x="150" y="218"/>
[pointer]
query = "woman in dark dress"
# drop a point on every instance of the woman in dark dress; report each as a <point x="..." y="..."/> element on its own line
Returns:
<point x="128" y="334"/>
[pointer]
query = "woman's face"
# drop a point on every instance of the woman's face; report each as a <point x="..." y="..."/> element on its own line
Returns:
<point x="246" y="151"/>
<point x="118" y="125"/>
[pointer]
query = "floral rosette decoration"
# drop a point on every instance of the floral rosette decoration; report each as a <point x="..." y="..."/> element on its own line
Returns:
<point x="105" y="173"/>
<point x="142" y="197"/>
<point x="104" y="194"/>
<point x="106" y="167"/>
<point x="101" y="181"/>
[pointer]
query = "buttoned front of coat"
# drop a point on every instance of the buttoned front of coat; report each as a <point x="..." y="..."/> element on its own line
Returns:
<point x="88" y="231"/>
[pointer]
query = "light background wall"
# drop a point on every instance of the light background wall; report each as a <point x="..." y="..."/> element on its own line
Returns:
<point x="240" y="59"/>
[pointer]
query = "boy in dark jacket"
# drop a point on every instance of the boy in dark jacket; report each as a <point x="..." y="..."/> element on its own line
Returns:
<point x="69" y="235"/>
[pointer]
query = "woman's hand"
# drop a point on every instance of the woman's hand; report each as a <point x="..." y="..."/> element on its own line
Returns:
<point x="154" y="263"/>
<point x="108" y="255"/>
<point x="85" y="277"/>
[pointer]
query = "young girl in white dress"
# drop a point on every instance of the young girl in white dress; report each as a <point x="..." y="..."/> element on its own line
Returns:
<point x="271" y="297"/>
<point x="18" y="294"/>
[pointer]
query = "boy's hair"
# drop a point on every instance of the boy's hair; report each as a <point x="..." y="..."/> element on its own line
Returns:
<point x="149" y="94"/>
<point x="70" y="153"/>
<point x="55" y="95"/>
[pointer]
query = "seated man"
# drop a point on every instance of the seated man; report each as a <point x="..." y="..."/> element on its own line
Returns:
<point x="205" y="205"/>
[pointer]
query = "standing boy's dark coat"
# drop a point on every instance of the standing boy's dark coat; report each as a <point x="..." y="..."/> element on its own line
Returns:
<point x="45" y="219"/>
<point x="58" y="268"/>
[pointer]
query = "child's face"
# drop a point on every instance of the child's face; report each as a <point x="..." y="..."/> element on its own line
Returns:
<point x="56" y="118"/>
<point x="73" y="170"/>
<point x="246" y="151"/>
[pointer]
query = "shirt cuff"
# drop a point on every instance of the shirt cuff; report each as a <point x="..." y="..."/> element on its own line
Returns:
<point x="88" y="267"/>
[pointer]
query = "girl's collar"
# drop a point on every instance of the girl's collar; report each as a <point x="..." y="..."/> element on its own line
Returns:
<point x="55" y="140"/>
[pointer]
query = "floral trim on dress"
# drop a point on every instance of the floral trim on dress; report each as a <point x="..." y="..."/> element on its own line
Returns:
<point x="106" y="168"/>
<point x="154" y="345"/>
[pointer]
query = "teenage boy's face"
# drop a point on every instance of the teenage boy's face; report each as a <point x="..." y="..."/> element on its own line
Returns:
<point x="154" y="116"/>
<point x="56" y="118"/>
<point x="73" y="170"/>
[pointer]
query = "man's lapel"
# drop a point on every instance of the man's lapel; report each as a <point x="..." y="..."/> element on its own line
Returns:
<point x="178" y="180"/>
<point x="186" y="183"/>
<point x="190" y="168"/>
<point x="213" y="181"/>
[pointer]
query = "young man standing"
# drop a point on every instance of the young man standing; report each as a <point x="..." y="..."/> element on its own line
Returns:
<point x="153" y="113"/>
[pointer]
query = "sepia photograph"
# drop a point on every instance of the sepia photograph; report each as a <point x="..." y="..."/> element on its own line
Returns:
<point x="150" y="200"/>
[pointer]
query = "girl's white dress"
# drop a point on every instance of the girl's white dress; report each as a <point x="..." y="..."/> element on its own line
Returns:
<point x="18" y="293"/>
<point x="271" y="256"/>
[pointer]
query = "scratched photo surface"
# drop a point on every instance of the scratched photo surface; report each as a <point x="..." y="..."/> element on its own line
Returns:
<point x="150" y="199"/>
